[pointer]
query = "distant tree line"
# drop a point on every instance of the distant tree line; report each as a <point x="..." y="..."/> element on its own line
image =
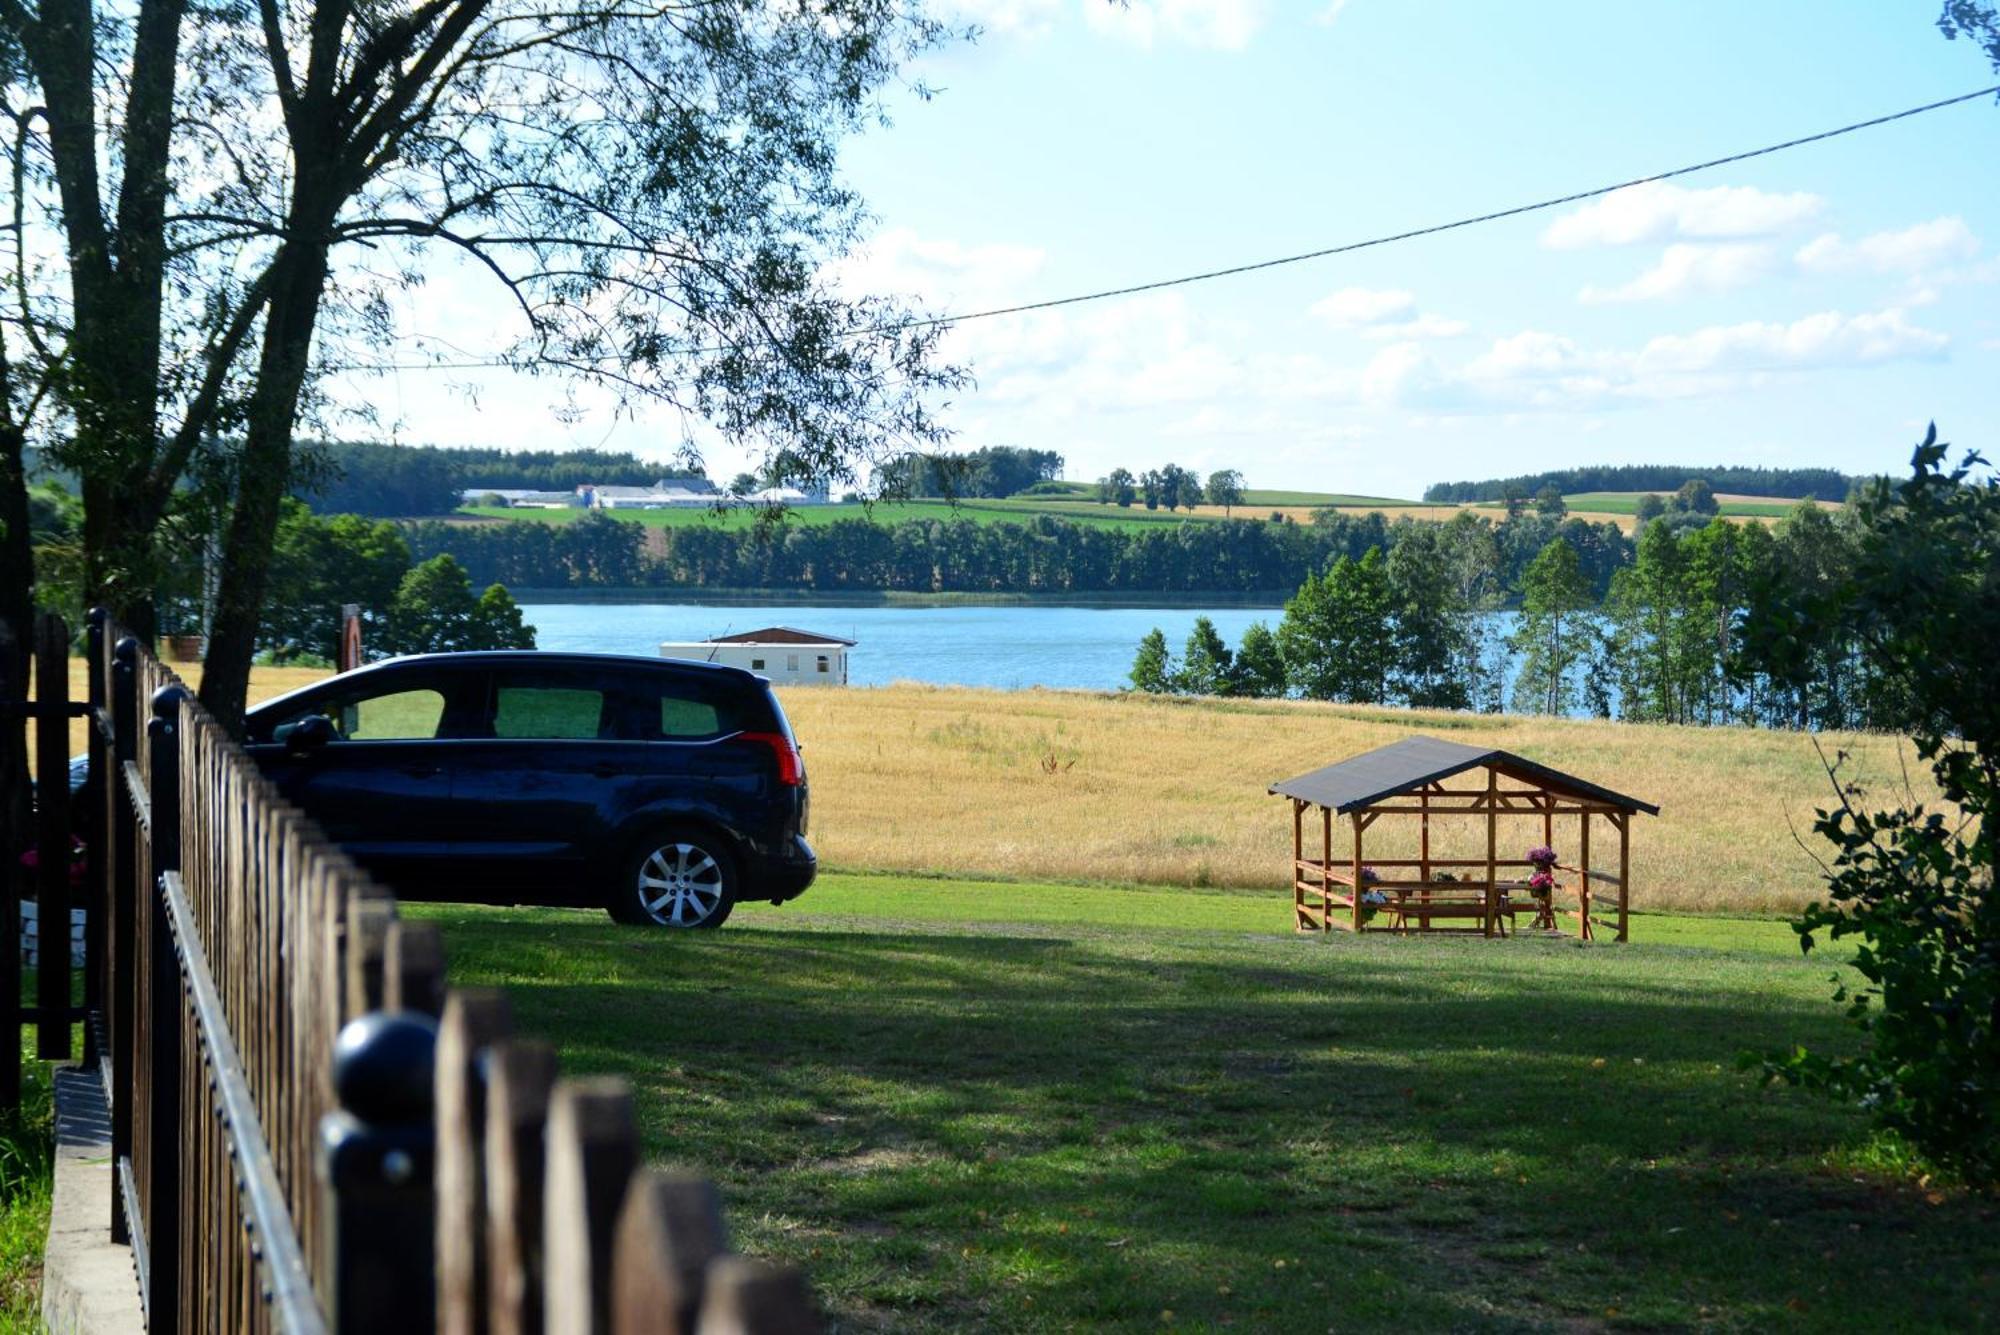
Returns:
<point x="1824" y="484"/>
<point x="1046" y="554"/>
<point x="1697" y="624"/>
<point x="994" y="472"/>
<point x="400" y="481"/>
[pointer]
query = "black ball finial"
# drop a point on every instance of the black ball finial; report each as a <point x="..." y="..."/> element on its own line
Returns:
<point x="383" y="1064"/>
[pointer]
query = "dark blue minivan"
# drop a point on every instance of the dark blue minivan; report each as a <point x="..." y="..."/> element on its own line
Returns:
<point x="661" y="791"/>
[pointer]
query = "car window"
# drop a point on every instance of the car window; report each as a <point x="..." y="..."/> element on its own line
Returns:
<point x="689" y="718"/>
<point x="411" y="714"/>
<point x="548" y="711"/>
<point x="403" y="716"/>
<point x="671" y="708"/>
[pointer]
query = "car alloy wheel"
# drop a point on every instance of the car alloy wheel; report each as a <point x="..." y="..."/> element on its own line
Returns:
<point x="682" y="884"/>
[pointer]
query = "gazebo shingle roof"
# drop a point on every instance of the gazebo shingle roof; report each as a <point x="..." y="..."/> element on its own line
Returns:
<point x="1407" y="765"/>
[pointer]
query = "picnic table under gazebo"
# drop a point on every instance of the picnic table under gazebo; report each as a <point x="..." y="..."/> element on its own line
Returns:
<point x="1420" y="777"/>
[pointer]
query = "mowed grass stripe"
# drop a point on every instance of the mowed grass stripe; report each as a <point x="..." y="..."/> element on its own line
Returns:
<point x="1075" y="1120"/>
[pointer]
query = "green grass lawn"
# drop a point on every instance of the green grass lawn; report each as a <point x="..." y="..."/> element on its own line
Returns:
<point x="968" y="1105"/>
<point x="27" y="1181"/>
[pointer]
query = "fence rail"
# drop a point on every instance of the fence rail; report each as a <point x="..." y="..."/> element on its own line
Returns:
<point x="309" y="1132"/>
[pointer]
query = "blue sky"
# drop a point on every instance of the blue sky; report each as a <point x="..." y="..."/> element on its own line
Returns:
<point x="1816" y="307"/>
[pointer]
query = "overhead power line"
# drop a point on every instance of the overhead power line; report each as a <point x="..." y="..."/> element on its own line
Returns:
<point x="1347" y="248"/>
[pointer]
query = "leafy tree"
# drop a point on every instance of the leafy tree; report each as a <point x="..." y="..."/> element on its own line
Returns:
<point x="497" y="622"/>
<point x="1648" y="508"/>
<point x="1916" y="886"/>
<point x="1696" y="497"/>
<point x="1188" y="491"/>
<point x="1435" y="647"/>
<point x="1207" y="667"/>
<point x="1152" y="488"/>
<point x="662" y="228"/>
<point x="1117" y="488"/>
<point x="1260" y="668"/>
<point x="1549" y="502"/>
<point x="1515" y="497"/>
<point x="1976" y="22"/>
<point x="434" y="612"/>
<point x="317" y="565"/>
<point x="1557" y="631"/>
<point x="1225" y="488"/>
<point x="743" y="484"/>
<point x="1336" y="636"/>
<point x="1153" y="670"/>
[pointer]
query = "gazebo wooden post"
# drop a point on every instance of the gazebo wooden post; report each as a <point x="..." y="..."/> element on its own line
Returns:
<point x="1583" y="875"/>
<point x="1492" y="848"/>
<point x="1356" y="869"/>
<point x="1327" y="868"/>
<point x="1424" y="855"/>
<point x="1298" y="872"/>
<point x="1624" y="821"/>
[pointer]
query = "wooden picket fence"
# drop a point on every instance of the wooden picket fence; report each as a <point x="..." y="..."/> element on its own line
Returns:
<point x="310" y="1132"/>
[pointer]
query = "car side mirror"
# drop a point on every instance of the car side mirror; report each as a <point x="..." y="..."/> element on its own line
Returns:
<point x="310" y="734"/>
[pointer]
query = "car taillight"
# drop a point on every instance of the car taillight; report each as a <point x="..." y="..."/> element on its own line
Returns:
<point x="791" y="768"/>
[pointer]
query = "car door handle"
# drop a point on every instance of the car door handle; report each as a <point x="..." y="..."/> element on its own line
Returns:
<point x="422" y="771"/>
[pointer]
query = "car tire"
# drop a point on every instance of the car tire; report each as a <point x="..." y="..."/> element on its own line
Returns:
<point x="678" y="877"/>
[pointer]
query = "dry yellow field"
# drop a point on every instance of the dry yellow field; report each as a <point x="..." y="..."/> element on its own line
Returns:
<point x="1070" y="785"/>
<point x="265" y="682"/>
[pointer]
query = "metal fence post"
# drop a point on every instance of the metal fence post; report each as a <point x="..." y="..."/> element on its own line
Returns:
<point x="119" y="907"/>
<point x="52" y="813"/>
<point x="168" y="1010"/>
<point x="377" y="1157"/>
<point x="94" y="830"/>
<point x="14" y="659"/>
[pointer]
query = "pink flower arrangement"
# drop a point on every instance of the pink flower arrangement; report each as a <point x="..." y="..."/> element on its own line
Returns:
<point x="1543" y="859"/>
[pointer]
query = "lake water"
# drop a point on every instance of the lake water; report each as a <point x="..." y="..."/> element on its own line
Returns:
<point x="1008" y="647"/>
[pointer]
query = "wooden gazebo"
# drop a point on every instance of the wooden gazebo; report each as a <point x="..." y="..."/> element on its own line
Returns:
<point x="1421" y="777"/>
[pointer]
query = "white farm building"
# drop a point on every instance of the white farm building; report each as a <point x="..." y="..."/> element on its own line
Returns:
<point x="789" y="657"/>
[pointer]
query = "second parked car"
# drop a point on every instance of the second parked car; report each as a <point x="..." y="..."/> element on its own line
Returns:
<point x="663" y="792"/>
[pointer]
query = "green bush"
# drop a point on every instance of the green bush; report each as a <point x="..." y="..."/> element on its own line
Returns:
<point x="1915" y="886"/>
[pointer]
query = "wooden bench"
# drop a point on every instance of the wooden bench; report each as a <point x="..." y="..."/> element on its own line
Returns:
<point x="1417" y="907"/>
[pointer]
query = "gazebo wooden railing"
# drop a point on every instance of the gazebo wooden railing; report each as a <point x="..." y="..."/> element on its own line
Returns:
<point x="1428" y="893"/>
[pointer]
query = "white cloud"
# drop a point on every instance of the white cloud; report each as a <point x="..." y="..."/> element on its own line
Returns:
<point x="1660" y="212"/>
<point x="1686" y="267"/>
<point x="1223" y="25"/>
<point x="899" y="262"/>
<point x="1352" y="307"/>
<point x="1539" y="371"/>
<point x="1815" y="341"/>
<point x="1328" y="16"/>
<point x="1422" y="326"/>
<point x="1383" y="313"/>
<point x="1917" y="249"/>
<point x="1028" y="18"/>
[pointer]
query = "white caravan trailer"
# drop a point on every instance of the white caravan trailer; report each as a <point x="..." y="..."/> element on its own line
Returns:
<point x="787" y="656"/>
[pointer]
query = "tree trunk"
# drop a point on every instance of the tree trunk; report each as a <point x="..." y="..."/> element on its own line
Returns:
<point x="265" y="472"/>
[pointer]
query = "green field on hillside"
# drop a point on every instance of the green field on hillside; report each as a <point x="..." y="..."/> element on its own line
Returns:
<point x="1013" y="1106"/>
<point x="1627" y="502"/>
<point x="886" y="513"/>
<point x="1015" y="510"/>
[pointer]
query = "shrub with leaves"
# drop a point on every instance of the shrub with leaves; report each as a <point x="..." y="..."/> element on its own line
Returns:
<point x="1914" y="886"/>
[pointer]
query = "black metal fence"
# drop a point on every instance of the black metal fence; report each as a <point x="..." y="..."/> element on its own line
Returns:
<point x="294" y="1148"/>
